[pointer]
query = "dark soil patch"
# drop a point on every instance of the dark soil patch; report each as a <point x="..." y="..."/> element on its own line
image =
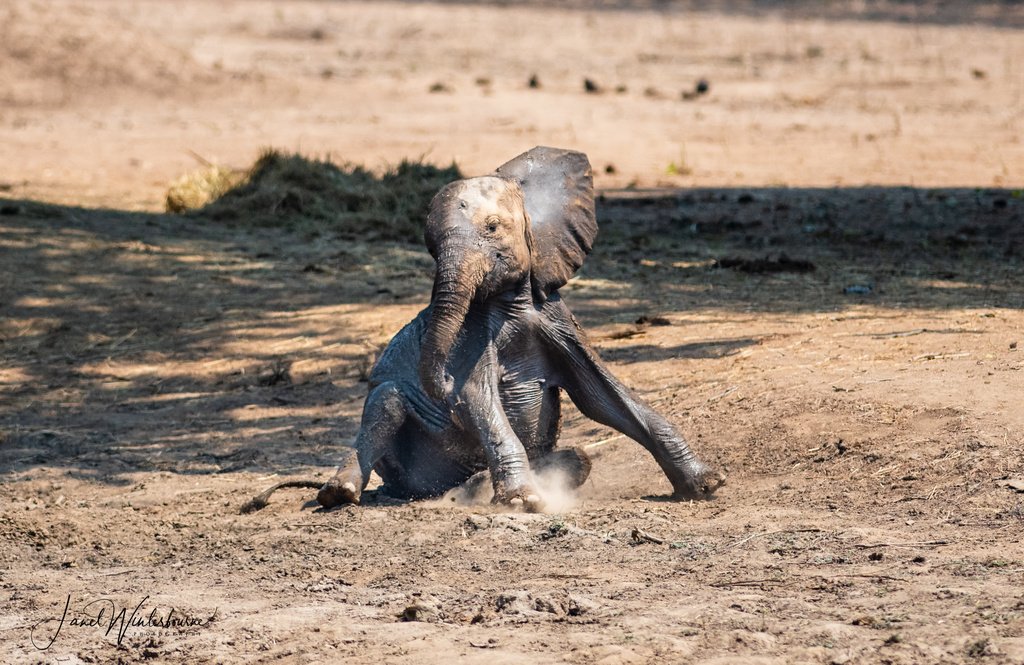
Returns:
<point x="765" y="265"/>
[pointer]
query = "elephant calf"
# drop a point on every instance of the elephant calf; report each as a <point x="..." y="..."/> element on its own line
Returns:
<point x="473" y="383"/>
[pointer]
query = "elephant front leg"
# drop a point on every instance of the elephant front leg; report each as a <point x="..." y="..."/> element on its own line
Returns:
<point x="476" y="407"/>
<point x="383" y="414"/>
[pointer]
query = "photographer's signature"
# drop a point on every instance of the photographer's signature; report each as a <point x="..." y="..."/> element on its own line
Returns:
<point x="104" y="615"/>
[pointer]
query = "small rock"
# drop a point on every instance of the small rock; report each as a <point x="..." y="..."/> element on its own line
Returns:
<point x="420" y="612"/>
<point x="1016" y="484"/>
<point x="513" y="602"/>
<point x="548" y="605"/>
<point x="580" y="605"/>
<point x="591" y="87"/>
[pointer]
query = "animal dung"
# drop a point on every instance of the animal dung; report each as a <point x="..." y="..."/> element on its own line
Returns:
<point x="701" y="88"/>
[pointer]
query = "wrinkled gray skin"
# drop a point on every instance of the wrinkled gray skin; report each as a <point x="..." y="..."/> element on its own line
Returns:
<point x="472" y="384"/>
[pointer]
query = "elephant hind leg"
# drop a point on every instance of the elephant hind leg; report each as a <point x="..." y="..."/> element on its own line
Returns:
<point x="384" y="414"/>
<point x="573" y="464"/>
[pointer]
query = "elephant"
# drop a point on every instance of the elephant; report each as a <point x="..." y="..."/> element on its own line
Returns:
<point x="471" y="387"/>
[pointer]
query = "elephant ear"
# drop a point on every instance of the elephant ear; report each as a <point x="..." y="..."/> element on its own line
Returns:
<point x="558" y="191"/>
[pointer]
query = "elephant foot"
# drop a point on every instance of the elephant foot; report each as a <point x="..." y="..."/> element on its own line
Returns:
<point x="338" y="493"/>
<point x="700" y="486"/>
<point x="531" y="503"/>
<point x="344" y="488"/>
<point x="523" y="499"/>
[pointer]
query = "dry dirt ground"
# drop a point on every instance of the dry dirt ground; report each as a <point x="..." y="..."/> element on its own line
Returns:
<point x="856" y="370"/>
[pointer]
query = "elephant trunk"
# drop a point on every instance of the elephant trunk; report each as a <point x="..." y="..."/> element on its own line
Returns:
<point x="459" y="276"/>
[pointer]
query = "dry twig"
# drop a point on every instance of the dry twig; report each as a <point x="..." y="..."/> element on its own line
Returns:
<point x="772" y="533"/>
<point x="644" y="537"/>
<point x="718" y="396"/>
<point x="603" y="441"/>
<point x="908" y="333"/>
<point x="922" y="543"/>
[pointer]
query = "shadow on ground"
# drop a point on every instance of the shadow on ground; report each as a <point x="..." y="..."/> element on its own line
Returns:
<point x="141" y="342"/>
<point x="1005" y="14"/>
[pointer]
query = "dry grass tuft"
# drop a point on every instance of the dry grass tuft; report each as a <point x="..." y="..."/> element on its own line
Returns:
<point x="292" y="190"/>
<point x="199" y="188"/>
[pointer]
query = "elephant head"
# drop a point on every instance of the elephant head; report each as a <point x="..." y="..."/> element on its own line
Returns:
<point x="532" y="219"/>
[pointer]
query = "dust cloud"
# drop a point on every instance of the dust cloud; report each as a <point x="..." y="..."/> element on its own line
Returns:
<point x="553" y="485"/>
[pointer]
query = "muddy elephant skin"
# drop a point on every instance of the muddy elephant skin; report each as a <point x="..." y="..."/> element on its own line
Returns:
<point x="472" y="384"/>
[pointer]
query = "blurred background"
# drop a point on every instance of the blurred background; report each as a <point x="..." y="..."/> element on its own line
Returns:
<point x="106" y="102"/>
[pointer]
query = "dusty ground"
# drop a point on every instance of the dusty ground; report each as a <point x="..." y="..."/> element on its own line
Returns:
<point x="158" y="372"/>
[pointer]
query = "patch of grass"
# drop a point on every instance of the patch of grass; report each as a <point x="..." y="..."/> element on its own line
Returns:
<point x="980" y="649"/>
<point x="293" y="191"/>
<point x="199" y="188"/>
<point x="555" y="529"/>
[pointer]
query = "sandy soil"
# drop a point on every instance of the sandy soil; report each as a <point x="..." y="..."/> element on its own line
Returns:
<point x="158" y="372"/>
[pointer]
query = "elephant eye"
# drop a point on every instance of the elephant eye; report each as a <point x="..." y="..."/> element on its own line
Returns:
<point x="492" y="224"/>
